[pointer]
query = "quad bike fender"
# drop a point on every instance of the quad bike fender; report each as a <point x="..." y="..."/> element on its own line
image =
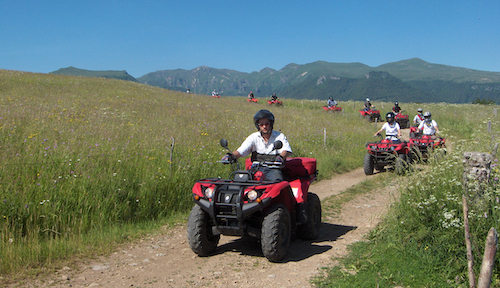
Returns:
<point x="281" y="193"/>
<point x="197" y="190"/>
<point x="300" y="187"/>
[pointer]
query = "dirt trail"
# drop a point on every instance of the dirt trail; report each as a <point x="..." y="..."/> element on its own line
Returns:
<point x="167" y="261"/>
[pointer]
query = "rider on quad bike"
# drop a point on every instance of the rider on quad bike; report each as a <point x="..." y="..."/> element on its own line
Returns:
<point x="422" y="145"/>
<point x="428" y="126"/>
<point x="260" y="144"/>
<point x="403" y="120"/>
<point x="368" y="105"/>
<point x="267" y="201"/>
<point x="368" y="113"/>
<point x="331" y="105"/>
<point x="392" y="129"/>
<point x="396" y="109"/>
<point x="419" y="117"/>
<point x="389" y="151"/>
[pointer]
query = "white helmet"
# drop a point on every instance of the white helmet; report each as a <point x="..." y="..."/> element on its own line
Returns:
<point x="367" y="99"/>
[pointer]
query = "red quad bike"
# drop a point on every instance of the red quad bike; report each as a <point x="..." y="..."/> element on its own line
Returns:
<point x="370" y="115"/>
<point x="422" y="145"/>
<point x="386" y="152"/>
<point x="249" y="205"/>
<point x="333" y="108"/>
<point x="254" y="100"/>
<point x="403" y="120"/>
<point x="275" y="102"/>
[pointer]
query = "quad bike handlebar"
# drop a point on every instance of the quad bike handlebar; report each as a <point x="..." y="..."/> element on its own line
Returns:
<point x="232" y="160"/>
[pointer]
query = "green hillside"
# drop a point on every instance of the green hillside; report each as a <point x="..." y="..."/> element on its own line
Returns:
<point x="412" y="80"/>
<point x="72" y="71"/>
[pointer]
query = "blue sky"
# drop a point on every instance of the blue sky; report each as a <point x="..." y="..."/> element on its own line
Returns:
<point x="146" y="36"/>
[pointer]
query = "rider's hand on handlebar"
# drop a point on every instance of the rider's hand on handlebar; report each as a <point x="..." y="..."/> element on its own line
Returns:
<point x="228" y="158"/>
<point x="279" y="160"/>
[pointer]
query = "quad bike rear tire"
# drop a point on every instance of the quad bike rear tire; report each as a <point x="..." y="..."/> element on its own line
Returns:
<point x="368" y="164"/>
<point x="310" y="230"/>
<point x="276" y="233"/>
<point x="199" y="230"/>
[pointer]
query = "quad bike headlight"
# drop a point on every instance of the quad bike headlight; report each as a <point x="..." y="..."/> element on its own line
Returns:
<point x="209" y="192"/>
<point x="252" y="195"/>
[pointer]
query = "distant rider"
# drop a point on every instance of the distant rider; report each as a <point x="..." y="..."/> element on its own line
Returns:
<point x="274" y="97"/>
<point x="391" y="127"/>
<point x="396" y="109"/>
<point x="260" y="144"/>
<point x="429" y="127"/>
<point x="419" y="117"/>
<point x="331" y="103"/>
<point x="250" y="96"/>
<point x="368" y="105"/>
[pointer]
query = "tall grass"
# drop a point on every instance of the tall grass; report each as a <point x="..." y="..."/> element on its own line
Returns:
<point x="85" y="156"/>
<point x="421" y="241"/>
<point x="90" y="161"/>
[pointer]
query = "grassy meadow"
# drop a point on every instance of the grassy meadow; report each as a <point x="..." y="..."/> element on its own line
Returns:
<point x="88" y="162"/>
<point x="420" y="243"/>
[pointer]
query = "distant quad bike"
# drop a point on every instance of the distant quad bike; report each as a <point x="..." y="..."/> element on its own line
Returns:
<point x="370" y="115"/>
<point x="276" y="102"/>
<point x="332" y="108"/>
<point x="249" y="205"/>
<point x="252" y="100"/>
<point x="386" y="152"/>
<point x="403" y="120"/>
<point x="421" y="146"/>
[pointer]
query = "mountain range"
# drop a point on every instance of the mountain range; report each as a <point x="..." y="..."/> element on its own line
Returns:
<point x="412" y="80"/>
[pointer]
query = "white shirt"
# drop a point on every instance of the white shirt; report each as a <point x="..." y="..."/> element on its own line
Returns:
<point x="417" y="119"/>
<point x="428" y="128"/>
<point x="391" y="129"/>
<point x="255" y="142"/>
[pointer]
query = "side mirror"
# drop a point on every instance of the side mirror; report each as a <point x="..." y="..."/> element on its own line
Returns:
<point x="223" y="143"/>
<point x="278" y="145"/>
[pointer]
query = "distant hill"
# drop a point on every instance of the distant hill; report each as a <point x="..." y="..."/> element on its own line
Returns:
<point x="412" y="80"/>
<point x="72" y="71"/>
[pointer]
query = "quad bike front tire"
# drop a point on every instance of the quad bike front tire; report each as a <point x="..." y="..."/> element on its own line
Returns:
<point x="199" y="232"/>
<point x="310" y="230"/>
<point x="276" y="233"/>
<point x="368" y="164"/>
<point x="401" y="164"/>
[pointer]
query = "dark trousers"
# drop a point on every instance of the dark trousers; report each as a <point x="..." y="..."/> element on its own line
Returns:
<point x="272" y="174"/>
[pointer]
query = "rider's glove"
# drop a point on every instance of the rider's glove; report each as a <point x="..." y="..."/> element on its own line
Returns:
<point x="279" y="160"/>
<point x="228" y="158"/>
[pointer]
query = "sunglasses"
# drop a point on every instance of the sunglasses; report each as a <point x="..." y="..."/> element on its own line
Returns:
<point x="264" y="124"/>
